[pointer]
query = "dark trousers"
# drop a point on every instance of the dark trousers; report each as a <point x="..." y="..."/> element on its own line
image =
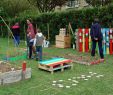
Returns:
<point x="30" y="52"/>
<point x="94" y="47"/>
<point x="39" y="52"/>
<point x="16" y="40"/>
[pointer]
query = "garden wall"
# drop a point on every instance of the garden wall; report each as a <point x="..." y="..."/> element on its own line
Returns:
<point x="14" y="76"/>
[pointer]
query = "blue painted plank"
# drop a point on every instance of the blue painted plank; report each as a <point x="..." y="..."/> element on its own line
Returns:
<point x="51" y="60"/>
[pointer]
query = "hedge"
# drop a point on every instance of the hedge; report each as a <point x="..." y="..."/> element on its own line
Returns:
<point x="78" y="18"/>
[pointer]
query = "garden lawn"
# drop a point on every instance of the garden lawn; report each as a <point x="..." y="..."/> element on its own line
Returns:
<point x="41" y="81"/>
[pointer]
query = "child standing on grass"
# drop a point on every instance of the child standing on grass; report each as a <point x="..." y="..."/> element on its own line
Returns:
<point x="38" y="42"/>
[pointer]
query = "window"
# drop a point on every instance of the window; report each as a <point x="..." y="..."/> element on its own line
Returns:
<point x="73" y="3"/>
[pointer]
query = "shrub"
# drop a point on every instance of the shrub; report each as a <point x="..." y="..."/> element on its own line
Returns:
<point x="78" y="18"/>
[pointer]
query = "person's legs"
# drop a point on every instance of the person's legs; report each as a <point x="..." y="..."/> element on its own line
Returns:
<point x="39" y="53"/>
<point x="18" y="40"/>
<point x="30" y="52"/>
<point x="100" y="49"/>
<point x="93" y="48"/>
<point x="15" y="40"/>
<point x="30" y="49"/>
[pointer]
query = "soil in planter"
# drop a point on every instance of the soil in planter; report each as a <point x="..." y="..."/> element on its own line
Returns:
<point x="5" y="67"/>
<point x="87" y="59"/>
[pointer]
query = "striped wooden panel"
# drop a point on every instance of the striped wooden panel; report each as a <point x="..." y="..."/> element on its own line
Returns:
<point x="55" y="61"/>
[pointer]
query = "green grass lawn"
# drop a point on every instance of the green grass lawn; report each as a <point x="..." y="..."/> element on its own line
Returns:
<point x="41" y="81"/>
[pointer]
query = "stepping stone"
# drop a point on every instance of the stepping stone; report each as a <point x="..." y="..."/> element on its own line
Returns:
<point x="74" y="84"/>
<point x="85" y="79"/>
<point x="53" y="84"/>
<point x="60" y="80"/>
<point x="83" y="75"/>
<point x="89" y="76"/>
<point x="90" y="72"/>
<point x="101" y="75"/>
<point x="98" y="76"/>
<point x="54" y="81"/>
<point x="61" y="86"/>
<point x="75" y="81"/>
<point x="67" y="86"/>
<point x="69" y="79"/>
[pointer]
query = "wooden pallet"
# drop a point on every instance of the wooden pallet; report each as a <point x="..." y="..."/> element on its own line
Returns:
<point x="55" y="64"/>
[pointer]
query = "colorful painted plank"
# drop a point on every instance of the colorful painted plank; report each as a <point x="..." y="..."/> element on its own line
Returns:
<point x="89" y="41"/>
<point x="107" y="40"/>
<point x="55" y="64"/>
<point x="86" y="40"/>
<point x="83" y="36"/>
<point x="111" y="41"/>
<point x="80" y="33"/>
<point x="104" y="40"/>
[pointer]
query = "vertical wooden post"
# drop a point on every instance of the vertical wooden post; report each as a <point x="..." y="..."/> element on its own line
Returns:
<point x="36" y="26"/>
<point x="23" y="70"/>
<point x="25" y="34"/>
<point x="62" y="67"/>
<point x="48" y="31"/>
<point x="83" y="36"/>
<point x="51" y="68"/>
<point x="89" y="40"/>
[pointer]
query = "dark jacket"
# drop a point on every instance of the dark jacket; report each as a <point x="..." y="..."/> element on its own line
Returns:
<point x="96" y="31"/>
<point x="15" y="30"/>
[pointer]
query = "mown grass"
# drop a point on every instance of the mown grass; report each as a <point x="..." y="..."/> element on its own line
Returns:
<point x="41" y="81"/>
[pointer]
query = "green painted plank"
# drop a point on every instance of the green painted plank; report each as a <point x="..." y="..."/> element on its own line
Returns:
<point x="51" y="60"/>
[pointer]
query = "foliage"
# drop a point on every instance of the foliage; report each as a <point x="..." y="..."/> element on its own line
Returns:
<point x="96" y="3"/>
<point x="47" y="5"/>
<point x="13" y="7"/>
<point x="77" y="18"/>
<point x="41" y="81"/>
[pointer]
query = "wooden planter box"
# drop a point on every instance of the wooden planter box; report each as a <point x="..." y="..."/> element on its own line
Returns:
<point x="14" y="76"/>
<point x="63" y="41"/>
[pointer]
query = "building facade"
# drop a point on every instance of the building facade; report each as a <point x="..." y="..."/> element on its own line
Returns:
<point x="73" y="4"/>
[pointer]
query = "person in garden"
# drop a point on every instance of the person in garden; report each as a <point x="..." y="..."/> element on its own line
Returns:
<point x="16" y="33"/>
<point x="38" y="42"/>
<point x="30" y="38"/>
<point x="96" y="37"/>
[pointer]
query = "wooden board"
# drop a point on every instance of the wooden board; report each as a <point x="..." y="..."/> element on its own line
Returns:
<point x="107" y="40"/>
<point x="83" y="36"/>
<point x="63" y="38"/>
<point x="55" y="64"/>
<point x="111" y="40"/>
<point x="104" y="40"/>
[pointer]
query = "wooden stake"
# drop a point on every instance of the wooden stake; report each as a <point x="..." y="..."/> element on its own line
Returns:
<point x="48" y="31"/>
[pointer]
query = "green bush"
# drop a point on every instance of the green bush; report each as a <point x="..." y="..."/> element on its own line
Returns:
<point x="78" y="18"/>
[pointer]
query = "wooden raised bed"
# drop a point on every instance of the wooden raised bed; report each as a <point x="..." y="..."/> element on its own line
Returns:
<point x="11" y="74"/>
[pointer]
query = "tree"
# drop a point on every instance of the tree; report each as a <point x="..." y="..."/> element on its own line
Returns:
<point x="47" y="5"/>
<point x="13" y="7"/>
<point x="96" y="3"/>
